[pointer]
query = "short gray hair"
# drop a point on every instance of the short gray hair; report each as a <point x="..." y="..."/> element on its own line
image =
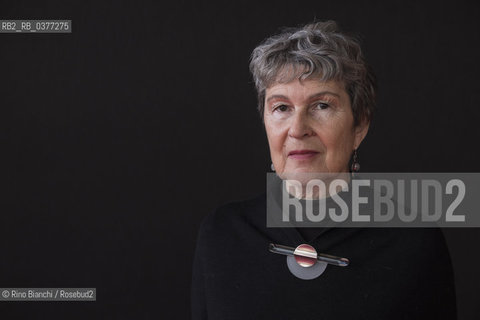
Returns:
<point x="317" y="49"/>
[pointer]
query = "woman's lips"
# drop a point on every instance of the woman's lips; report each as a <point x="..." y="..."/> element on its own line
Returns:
<point x="302" y="154"/>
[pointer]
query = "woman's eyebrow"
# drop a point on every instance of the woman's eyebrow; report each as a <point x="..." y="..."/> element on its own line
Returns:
<point x="277" y="96"/>
<point x="313" y="96"/>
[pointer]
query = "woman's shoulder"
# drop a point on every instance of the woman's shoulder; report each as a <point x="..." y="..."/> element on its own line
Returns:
<point x="234" y="215"/>
<point x="420" y="239"/>
<point x="417" y="247"/>
<point x="235" y="210"/>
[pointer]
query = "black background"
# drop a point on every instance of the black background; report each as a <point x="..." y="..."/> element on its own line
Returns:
<point x="120" y="137"/>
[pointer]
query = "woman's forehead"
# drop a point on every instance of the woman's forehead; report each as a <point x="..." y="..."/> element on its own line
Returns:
<point x="306" y="88"/>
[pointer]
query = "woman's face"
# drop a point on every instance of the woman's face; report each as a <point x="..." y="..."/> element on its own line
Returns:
<point x="310" y="127"/>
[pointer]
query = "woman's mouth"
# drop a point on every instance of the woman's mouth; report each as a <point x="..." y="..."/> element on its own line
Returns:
<point x="302" y="154"/>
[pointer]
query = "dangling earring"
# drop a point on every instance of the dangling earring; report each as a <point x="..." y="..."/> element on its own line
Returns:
<point x="355" y="164"/>
<point x="272" y="167"/>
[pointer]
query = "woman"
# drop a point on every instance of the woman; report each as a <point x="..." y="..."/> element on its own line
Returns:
<point x="316" y="97"/>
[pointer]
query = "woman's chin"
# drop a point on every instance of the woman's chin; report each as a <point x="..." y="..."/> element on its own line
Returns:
<point x="305" y="169"/>
<point x="303" y="173"/>
<point x="306" y="174"/>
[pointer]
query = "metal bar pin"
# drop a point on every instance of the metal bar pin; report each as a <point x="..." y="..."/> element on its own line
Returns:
<point x="306" y="255"/>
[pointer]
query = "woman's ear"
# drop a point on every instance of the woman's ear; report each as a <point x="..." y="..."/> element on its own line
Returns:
<point x="360" y="132"/>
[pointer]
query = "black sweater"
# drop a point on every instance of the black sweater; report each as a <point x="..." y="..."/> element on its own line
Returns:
<point x="394" y="273"/>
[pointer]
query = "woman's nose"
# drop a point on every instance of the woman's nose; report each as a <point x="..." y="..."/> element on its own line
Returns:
<point x="300" y="125"/>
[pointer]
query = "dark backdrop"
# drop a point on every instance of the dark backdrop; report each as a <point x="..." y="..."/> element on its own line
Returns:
<point x="120" y="137"/>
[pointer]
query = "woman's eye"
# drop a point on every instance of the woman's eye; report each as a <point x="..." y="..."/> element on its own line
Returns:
<point x="322" y="105"/>
<point x="281" y="108"/>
